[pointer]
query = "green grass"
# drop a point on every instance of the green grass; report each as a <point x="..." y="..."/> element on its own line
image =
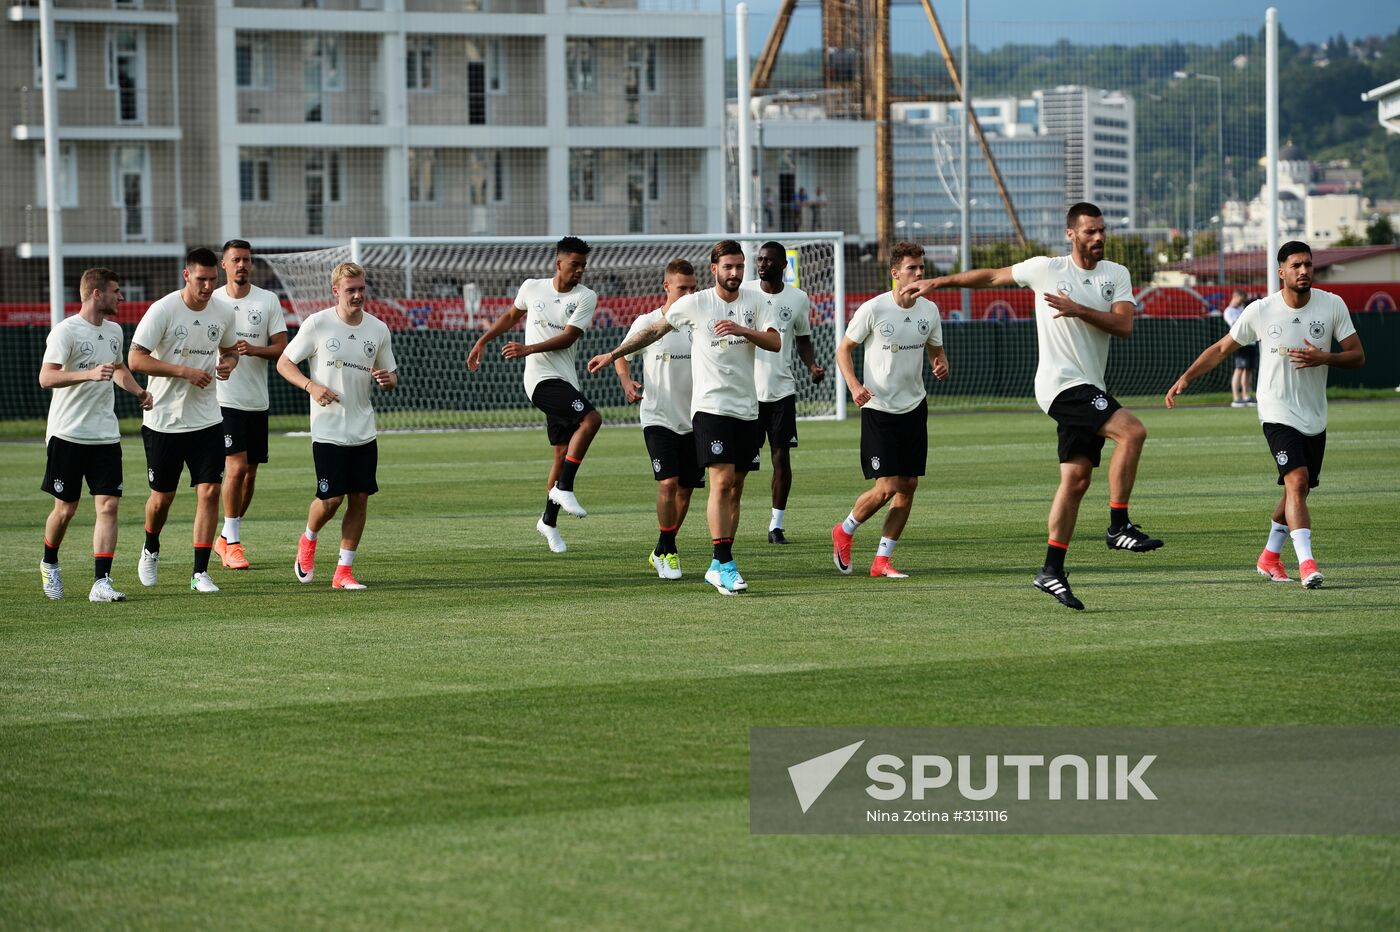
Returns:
<point x="492" y="735"/>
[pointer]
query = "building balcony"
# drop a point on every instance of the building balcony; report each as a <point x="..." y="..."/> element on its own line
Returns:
<point x="149" y="12"/>
<point x="326" y="108"/>
<point x="474" y="6"/>
<point x="127" y="114"/>
<point x="135" y="231"/>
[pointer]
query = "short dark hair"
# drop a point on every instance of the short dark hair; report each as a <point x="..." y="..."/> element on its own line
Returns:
<point x="1291" y="247"/>
<point x="680" y="267"/>
<point x="725" y="247"/>
<point x="572" y="245"/>
<point x="235" y="244"/>
<point x="774" y="244"/>
<point x="95" y="280"/>
<point x="1081" y="209"/>
<point x="201" y="255"/>
<point x="905" y="250"/>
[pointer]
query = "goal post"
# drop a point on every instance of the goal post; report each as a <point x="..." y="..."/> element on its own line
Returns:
<point x="438" y="294"/>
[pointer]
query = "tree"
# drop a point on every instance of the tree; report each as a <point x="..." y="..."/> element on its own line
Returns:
<point x="1132" y="252"/>
<point x="1348" y="237"/>
<point x="1381" y="233"/>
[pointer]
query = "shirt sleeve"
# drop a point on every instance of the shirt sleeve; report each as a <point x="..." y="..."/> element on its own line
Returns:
<point x="935" y="330"/>
<point x="858" y="329"/>
<point x="1122" y="287"/>
<point x="276" y="319"/>
<point x="802" y="319"/>
<point x="583" y="314"/>
<point x="303" y="345"/>
<point x="1025" y="272"/>
<point x="522" y="300"/>
<point x="229" y="337"/>
<point x="637" y="327"/>
<point x="681" y="313"/>
<point x="58" y="346"/>
<point x="384" y="359"/>
<point x="149" y="328"/>
<point x="1342" y="325"/>
<point x="1245" y="331"/>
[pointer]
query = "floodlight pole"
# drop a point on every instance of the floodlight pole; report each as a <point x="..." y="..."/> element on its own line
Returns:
<point x="1271" y="137"/>
<point x="741" y="35"/>
<point x="966" y="219"/>
<point x="54" y="214"/>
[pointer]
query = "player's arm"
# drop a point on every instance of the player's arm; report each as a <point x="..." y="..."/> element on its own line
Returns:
<point x="387" y="379"/>
<point x="140" y="360"/>
<point x="1352" y="355"/>
<point x="127" y="381"/>
<point x="630" y="345"/>
<point x="503" y="323"/>
<point x="972" y="278"/>
<point x="938" y="359"/>
<point x="631" y="388"/>
<point x="845" y="361"/>
<point x="517" y="350"/>
<point x="288" y="369"/>
<point x="770" y="339"/>
<point x="808" y="355"/>
<point x="276" y="343"/>
<point x="1117" y="321"/>
<point x="1213" y="356"/>
<point x="52" y="375"/>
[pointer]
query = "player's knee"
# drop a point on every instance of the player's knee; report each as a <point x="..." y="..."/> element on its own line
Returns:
<point x="332" y="504"/>
<point x="591" y="422"/>
<point x="208" y="491"/>
<point x="64" y="511"/>
<point x="105" y="506"/>
<point x="670" y="487"/>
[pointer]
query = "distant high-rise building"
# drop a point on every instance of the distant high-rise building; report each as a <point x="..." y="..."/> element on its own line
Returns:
<point x="1099" y="129"/>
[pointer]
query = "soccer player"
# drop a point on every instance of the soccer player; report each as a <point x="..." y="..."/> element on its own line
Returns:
<point x="82" y="358"/>
<point x="665" y="414"/>
<point x="262" y="335"/>
<point x="777" y="388"/>
<point x="1081" y="300"/>
<point x="182" y="344"/>
<point x="1295" y="327"/>
<point x="897" y="331"/>
<point x="730" y="325"/>
<point x="348" y="353"/>
<point x="556" y="310"/>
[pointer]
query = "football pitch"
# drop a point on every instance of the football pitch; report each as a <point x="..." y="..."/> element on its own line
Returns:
<point x="495" y="736"/>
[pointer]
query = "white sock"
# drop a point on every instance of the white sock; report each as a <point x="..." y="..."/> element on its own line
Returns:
<point x="851" y="523"/>
<point x="231" y="529"/>
<point x="1278" y="536"/>
<point x="1302" y="543"/>
<point x="777" y="521"/>
<point x="310" y="534"/>
<point x="347" y="557"/>
<point x="886" y="548"/>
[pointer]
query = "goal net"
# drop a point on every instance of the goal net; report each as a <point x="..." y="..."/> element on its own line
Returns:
<point x="439" y="295"/>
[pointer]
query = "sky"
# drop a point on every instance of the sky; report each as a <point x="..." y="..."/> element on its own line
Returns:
<point x="995" y="22"/>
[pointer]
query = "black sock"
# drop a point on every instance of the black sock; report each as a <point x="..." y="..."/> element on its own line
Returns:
<point x="666" y="542"/>
<point x="201" y="559"/>
<point x="153" y="541"/>
<point x="566" y="476"/>
<point x="1117" y="518"/>
<point x="724" y="549"/>
<point x="551" y="513"/>
<point x="50" y="553"/>
<point x="1055" y="559"/>
<point x="102" y="566"/>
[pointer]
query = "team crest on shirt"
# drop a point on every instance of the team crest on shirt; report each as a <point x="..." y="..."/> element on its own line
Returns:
<point x="874" y="462"/>
<point x="116" y="349"/>
<point x="369" y="348"/>
<point x="1100" y="403"/>
<point x="748" y="318"/>
<point x="254" y="317"/>
<point x="85" y="348"/>
<point x="228" y="441"/>
<point x="58" y="486"/>
<point x="655" y="465"/>
<point x="1316" y="328"/>
<point x="332" y="345"/>
<point x="923" y="326"/>
<point x="1282" y="457"/>
<point x="886" y="329"/>
<point x="181" y="332"/>
<point x="213" y="333"/>
<point x="785" y="314"/>
<point x="716" y="447"/>
<point x="1106" y="289"/>
<point x="150" y="475"/>
<point x="324" y="486"/>
<point x="570" y="308"/>
<point x="1063" y="288"/>
<point x="578" y="405"/>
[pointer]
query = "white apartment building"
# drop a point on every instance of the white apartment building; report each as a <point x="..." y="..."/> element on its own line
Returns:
<point x="1099" y="128"/>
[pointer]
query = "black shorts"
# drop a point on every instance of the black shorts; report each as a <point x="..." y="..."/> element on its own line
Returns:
<point x="1292" y="449"/>
<point x="245" y="432"/>
<point x="778" y="419"/>
<point x="70" y="463"/>
<point x="673" y="454"/>
<point x="1247" y="357"/>
<point x="342" y="470"/>
<point x="564" y="408"/>
<point x="168" y="453"/>
<point x="894" y="444"/>
<point x="723" y="439"/>
<point x="1080" y="412"/>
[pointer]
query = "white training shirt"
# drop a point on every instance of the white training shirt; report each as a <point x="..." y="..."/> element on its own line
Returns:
<point x="548" y="312"/>
<point x="896" y="340"/>
<point x="341" y="357"/>
<point x="722" y="368"/>
<point x="256" y="317"/>
<point x="666" y="380"/>
<point x="1072" y="352"/>
<point x="83" y="413"/>
<point x="1287" y="394"/>
<point x="183" y="337"/>
<point x="792" y="310"/>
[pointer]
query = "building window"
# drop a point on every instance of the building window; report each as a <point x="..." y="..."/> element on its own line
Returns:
<point x="579" y="61"/>
<point x="323" y="186"/>
<point x="253" y="63"/>
<point x="126" y="73"/>
<point x="131" y="191"/>
<point x="67" y="176"/>
<point x="422" y="175"/>
<point x="495" y="67"/>
<point x="65" y="69"/>
<point x="422" y="64"/>
<point x="583" y="176"/>
<point x="255" y="179"/>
